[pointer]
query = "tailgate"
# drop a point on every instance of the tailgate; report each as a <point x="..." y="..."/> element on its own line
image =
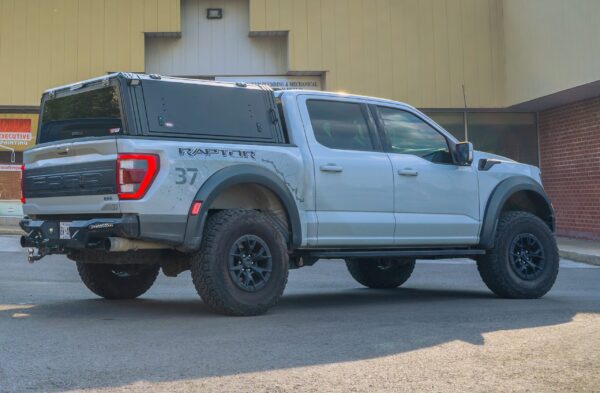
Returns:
<point x="71" y="178"/>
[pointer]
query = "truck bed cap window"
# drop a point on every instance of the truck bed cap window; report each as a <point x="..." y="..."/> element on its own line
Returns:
<point x="89" y="113"/>
<point x="210" y="111"/>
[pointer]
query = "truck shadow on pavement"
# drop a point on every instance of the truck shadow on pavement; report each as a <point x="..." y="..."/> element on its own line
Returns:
<point x="104" y="344"/>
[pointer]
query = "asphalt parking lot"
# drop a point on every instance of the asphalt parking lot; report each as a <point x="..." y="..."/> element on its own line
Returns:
<point x="442" y="331"/>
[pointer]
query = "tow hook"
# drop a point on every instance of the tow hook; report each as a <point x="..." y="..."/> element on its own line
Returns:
<point x="32" y="257"/>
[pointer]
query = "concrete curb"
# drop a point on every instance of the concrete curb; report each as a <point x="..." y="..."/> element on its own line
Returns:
<point x="10" y="231"/>
<point x="10" y="226"/>
<point x="579" y="257"/>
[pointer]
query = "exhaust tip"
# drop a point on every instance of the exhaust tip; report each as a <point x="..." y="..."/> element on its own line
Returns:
<point x="107" y="244"/>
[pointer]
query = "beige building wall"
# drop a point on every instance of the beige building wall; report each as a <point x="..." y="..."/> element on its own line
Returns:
<point x="418" y="51"/>
<point x="216" y="47"/>
<point x="504" y="52"/>
<point x="551" y="45"/>
<point x="46" y="43"/>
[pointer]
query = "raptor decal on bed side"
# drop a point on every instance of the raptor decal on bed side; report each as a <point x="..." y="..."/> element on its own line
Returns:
<point x="193" y="152"/>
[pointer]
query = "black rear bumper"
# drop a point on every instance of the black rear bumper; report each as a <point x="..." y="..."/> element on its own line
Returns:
<point x="89" y="233"/>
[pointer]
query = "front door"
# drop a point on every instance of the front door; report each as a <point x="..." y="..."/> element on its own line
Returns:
<point x="353" y="176"/>
<point x="436" y="201"/>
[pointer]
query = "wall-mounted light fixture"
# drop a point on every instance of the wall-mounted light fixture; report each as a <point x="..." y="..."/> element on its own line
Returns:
<point x="214" y="13"/>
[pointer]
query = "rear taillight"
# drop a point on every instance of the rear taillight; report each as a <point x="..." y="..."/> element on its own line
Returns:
<point x="135" y="173"/>
<point x="22" y="191"/>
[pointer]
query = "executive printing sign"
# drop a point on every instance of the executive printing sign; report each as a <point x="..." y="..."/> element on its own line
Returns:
<point x="15" y="133"/>
<point x="302" y="82"/>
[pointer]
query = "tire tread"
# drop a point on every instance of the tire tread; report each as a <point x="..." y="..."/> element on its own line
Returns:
<point x="490" y="266"/>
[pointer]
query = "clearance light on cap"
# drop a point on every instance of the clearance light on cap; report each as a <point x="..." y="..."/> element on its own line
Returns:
<point x="135" y="174"/>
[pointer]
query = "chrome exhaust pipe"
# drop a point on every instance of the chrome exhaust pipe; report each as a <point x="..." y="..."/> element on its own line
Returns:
<point x="120" y="244"/>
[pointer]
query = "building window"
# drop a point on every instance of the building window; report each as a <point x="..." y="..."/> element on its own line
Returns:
<point x="512" y="135"/>
<point x="453" y="122"/>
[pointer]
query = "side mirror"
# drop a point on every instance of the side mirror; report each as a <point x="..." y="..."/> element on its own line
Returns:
<point x="463" y="152"/>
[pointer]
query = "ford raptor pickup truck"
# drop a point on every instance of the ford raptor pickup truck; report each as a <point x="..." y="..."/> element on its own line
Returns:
<point x="133" y="174"/>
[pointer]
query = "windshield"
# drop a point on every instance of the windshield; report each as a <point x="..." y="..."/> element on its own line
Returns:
<point x="91" y="113"/>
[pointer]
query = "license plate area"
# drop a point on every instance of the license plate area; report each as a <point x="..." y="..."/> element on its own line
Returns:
<point x="63" y="229"/>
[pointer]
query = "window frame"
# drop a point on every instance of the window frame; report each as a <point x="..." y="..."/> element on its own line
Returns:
<point x="374" y="108"/>
<point x="372" y="128"/>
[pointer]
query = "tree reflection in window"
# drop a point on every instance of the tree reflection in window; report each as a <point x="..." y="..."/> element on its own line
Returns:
<point x="98" y="103"/>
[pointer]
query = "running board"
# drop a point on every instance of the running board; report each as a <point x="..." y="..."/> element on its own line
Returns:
<point x="404" y="253"/>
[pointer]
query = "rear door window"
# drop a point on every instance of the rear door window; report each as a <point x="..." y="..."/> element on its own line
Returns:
<point x="339" y="125"/>
<point x="89" y="113"/>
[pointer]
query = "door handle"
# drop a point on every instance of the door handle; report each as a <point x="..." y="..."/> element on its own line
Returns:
<point x="331" y="168"/>
<point x="408" y="172"/>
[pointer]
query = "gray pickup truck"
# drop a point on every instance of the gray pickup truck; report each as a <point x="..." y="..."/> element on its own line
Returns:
<point x="134" y="173"/>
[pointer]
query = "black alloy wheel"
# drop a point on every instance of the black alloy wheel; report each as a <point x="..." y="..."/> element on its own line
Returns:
<point x="527" y="257"/>
<point x="250" y="263"/>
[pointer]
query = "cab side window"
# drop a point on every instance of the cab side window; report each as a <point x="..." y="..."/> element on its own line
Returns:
<point x="339" y="125"/>
<point x="408" y="134"/>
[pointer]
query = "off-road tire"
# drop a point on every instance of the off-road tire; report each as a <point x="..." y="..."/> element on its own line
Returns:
<point x="210" y="266"/>
<point x="109" y="281"/>
<point x="381" y="273"/>
<point x="496" y="268"/>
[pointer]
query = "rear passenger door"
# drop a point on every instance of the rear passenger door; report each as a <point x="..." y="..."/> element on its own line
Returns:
<point x="353" y="176"/>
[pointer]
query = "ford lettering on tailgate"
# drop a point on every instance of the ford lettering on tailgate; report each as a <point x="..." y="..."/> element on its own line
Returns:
<point x="70" y="180"/>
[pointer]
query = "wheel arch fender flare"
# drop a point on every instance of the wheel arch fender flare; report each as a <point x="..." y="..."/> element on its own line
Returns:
<point x="497" y="200"/>
<point x="240" y="174"/>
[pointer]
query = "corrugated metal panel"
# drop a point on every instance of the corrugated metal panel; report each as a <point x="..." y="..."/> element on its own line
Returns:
<point x="216" y="47"/>
<point x="420" y="51"/>
<point x="45" y="43"/>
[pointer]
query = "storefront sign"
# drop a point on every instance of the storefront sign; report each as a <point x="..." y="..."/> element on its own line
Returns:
<point x="285" y="82"/>
<point x="17" y="131"/>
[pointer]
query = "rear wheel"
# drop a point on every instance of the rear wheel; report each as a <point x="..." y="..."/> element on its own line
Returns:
<point x="242" y="267"/>
<point x="117" y="281"/>
<point x="381" y="273"/>
<point x="524" y="261"/>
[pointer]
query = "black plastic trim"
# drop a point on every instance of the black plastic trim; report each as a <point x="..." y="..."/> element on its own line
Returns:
<point x="503" y="191"/>
<point x="405" y="253"/>
<point x="240" y="174"/>
<point x="163" y="228"/>
<point x="485" y="164"/>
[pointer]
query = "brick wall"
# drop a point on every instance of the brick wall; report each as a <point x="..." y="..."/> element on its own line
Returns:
<point x="10" y="185"/>
<point x="570" y="162"/>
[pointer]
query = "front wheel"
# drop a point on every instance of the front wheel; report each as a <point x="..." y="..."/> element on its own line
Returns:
<point x="524" y="261"/>
<point x="381" y="273"/>
<point x="242" y="267"/>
